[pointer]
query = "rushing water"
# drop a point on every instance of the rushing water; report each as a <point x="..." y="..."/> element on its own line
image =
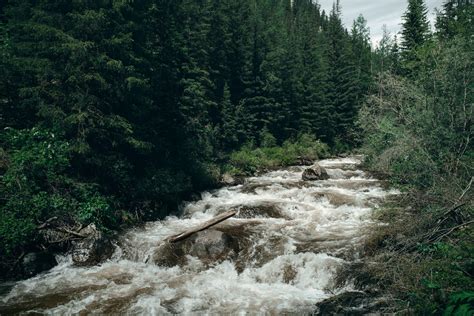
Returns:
<point x="279" y="254"/>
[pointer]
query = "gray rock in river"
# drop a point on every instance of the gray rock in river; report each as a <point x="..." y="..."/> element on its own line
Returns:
<point x="229" y="180"/>
<point x="210" y="246"/>
<point x="37" y="262"/>
<point x="315" y="172"/>
<point x="305" y="161"/>
<point x="93" y="249"/>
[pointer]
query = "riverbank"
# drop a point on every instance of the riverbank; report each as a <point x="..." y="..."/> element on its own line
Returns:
<point x="420" y="259"/>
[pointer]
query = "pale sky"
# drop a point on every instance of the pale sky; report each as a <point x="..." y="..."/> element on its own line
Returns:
<point x="377" y="13"/>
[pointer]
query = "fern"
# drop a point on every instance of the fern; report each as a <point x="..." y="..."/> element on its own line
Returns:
<point x="460" y="304"/>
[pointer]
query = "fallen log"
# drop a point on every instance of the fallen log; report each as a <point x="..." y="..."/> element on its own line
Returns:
<point x="214" y="221"/>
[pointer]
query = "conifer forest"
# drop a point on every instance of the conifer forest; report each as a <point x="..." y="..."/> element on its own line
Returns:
<point x="346" y="165"/>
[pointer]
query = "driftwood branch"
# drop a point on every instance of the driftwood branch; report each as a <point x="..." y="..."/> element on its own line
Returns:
<point x="216" y="220"/>
<point x="453" y="209"/>
<point x="466" y="190"/>
<point x="46" y="223"/>
<point x="65" y="230"/>
<point x="449" y="231"/>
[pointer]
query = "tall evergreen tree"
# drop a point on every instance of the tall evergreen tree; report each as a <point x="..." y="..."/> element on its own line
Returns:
<point x="455" y="18"/>
<point x="342" y="79"/>
<point x="415" y="27"/>
<point x="415" y="31"/>
<point x="362" y="54"/>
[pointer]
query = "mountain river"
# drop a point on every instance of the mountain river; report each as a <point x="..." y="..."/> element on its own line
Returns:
<point x="279" y="254"/>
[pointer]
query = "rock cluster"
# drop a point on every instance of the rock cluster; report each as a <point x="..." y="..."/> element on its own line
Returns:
<point x="94" y="248"/>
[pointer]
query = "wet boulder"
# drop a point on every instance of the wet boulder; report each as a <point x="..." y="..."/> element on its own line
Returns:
<point x="93" y="249"/>
<point x="209" y="246"/>
<point x="36" y="262"/>
<point x="351" y="303"/>
<point x="229" y="180"/>
<point x="304" y="161"/>
<point x="315" y="172"/>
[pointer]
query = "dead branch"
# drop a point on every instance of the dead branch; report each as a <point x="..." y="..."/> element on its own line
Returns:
<point x="65" y="230"/>
<point x="216" y="220"/>
<point x="443" y="217"/>
<point x="46" y="223"/>
<point x="452" y="230"/>
<point x="466" y="190"/>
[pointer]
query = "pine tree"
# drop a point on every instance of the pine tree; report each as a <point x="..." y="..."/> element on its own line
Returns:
<point x="415" y="32"/>
<point x="361" y="50"/>
<point x="315" y="111"/>
<point x="415" y="27"/>
<point x="342" y="89"/>
<point x="240" y="51"/>
<point x="383" y="52"/>
<point x="455" y="18"/>
<point x="219" y="38"/>
<point x="261" y="97"/>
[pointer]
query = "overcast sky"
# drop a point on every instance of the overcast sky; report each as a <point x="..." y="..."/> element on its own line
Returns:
<point x="377" y="13"/>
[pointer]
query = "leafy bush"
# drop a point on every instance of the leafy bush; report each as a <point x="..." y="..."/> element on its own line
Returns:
<point x="267" y="140"/>
<point x="460" y="304"/>
<point x="249" y="159"/>
<point x="418" y="131"/>
<point x="35" y="185"/>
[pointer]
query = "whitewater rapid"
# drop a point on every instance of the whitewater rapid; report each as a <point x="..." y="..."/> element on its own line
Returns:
<point x="280" y="254"/>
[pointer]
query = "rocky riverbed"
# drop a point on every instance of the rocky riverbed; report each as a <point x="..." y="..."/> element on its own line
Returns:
<point x="279" y="254"/>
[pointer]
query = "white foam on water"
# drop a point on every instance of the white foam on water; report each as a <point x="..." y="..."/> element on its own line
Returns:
<point x="280" y="275"/>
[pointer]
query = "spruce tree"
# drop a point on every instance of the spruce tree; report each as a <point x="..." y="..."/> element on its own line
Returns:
<point x="342" y="85"/>
<point x="455" y="18"/>
<point x="362" y="54"/>
<point x="415" y="31"/>
<point x="415" y="27"/>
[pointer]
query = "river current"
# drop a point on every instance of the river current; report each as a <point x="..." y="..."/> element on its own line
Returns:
<point x="279" y="254"/>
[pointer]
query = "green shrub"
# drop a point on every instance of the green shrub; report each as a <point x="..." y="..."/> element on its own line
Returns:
<point x="460" y="304"/>
<point x="267" y="139"/>
<point x="35" y="186"/>
<point x="418" y="131"/>
<point x="249" y="160"/>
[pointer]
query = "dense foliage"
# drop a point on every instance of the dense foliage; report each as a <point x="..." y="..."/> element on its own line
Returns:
<point x="418" y="130"/>
<point x="117" y="105"/>
<point x="249" y="159"/>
